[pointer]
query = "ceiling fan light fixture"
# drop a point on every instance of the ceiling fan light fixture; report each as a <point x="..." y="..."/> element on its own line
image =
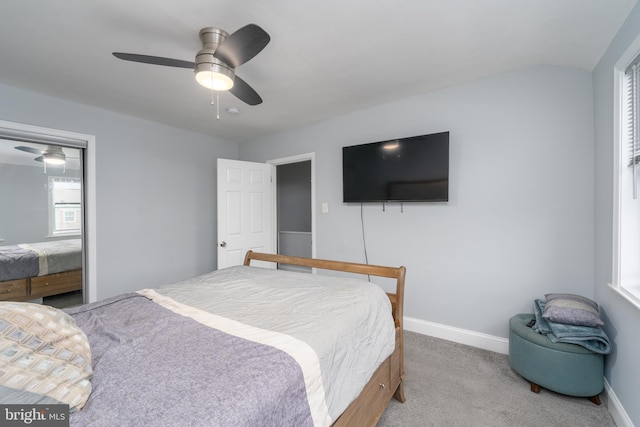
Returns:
<point x="55" y="157"/>
<point x="214" y="76"/>
<point x="216" y="62"/>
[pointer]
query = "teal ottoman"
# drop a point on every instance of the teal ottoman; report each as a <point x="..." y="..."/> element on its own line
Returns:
<point x="564" y="368"/>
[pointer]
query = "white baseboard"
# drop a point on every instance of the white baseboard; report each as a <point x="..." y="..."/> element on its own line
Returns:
<point x="462" y="336"/>
<point x="501" y="345"/>
<point x="616" y="410"/>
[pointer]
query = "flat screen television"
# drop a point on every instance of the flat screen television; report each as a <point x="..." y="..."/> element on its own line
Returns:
<point x="414" y="169"/>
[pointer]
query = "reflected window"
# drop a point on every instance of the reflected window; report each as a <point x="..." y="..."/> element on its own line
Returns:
<point x="65" y="197"/>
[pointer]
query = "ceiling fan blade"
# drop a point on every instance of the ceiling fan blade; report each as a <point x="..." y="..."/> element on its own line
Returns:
<point x="242" y="45"/>
<point x="155" y="60"/>
<point x="28" y="149"/>
<point x="39" y="159"/>
<point x="244" y="92"/>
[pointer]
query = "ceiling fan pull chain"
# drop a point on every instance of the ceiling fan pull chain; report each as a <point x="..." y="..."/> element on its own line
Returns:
<point x="217" y="103"/>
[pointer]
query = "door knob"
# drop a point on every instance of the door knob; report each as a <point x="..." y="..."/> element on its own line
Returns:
<point x="223" y="244"/>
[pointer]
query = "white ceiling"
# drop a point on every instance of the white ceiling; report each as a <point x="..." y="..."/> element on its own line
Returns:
<point x="325" y="57"/>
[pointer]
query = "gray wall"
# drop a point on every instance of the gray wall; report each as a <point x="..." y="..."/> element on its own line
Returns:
<point x="156" y="190"/>
<point x="622" y="318"/>
<point x="519" y="222"/>
<point x="24" y="202"/>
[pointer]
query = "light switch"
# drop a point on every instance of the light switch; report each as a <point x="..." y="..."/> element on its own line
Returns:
<point x="325" y="208"/>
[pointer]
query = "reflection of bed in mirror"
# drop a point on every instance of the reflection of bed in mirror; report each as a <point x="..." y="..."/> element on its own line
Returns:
<point x="36" y="270"/>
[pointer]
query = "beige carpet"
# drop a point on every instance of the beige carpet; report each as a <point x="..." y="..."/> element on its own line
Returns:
<point x="450" y="384"/>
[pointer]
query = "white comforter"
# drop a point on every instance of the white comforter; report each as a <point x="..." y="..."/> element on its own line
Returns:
<point x="347" y="323"/>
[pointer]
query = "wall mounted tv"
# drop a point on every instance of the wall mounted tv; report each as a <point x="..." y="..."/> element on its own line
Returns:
<point x="414" y="169"/>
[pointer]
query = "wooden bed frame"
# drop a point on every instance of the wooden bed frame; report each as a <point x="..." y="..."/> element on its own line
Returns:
<point x="41" y="286"/>
<point x="387" y="381"/>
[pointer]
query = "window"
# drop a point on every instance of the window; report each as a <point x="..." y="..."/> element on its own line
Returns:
<point x="65" y="197"/>
<point x="626" y="233"/>
<point x="70" y="216"/>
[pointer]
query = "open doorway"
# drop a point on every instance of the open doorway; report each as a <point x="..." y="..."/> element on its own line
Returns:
<point x="277" y="218"/>
<point x="294" y="206"/>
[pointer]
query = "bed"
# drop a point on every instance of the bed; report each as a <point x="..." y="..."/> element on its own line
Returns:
<point x="241" y="346"/>
<point x="35" y="270"/>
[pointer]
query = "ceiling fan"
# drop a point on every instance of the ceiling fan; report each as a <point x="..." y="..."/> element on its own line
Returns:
<point x="216" y="62"/>
<point x="53" y="154"/>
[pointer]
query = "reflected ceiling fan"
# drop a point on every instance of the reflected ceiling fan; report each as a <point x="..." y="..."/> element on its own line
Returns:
<point x="216" y="62"/>
<point x="52" y="155"/>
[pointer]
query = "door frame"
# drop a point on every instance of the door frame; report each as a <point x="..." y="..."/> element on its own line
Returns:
<point x="284" y="161"/>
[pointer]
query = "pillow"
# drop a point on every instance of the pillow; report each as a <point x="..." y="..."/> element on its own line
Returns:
<point x="571" y="310"/>
<point x="44" y="357"/>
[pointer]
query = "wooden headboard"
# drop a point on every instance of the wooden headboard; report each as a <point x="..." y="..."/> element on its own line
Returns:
<point x="398" y="273"/>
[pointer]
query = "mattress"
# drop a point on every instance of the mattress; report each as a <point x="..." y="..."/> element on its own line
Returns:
<point x="322" y="336"/>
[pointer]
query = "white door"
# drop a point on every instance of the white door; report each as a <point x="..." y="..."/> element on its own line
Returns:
<point x="245" y="211"/>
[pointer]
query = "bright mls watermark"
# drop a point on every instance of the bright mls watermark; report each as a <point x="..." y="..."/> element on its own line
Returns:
<point x="34" y="415"/>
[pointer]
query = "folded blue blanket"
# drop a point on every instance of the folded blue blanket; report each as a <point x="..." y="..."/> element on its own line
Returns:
<point x="592" y="338"/>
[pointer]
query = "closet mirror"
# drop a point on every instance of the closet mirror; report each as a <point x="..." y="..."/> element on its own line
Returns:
<point x="41" y="223"/>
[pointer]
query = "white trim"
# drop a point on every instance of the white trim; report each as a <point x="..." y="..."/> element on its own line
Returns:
<point x="63" y="234"/>
<point x="90" y="221"/>
<point x="617" y="116"/>
<point x="297" y="159"/>
<point x="633" y="299"/>
<point x="619" y="415"/>
<point x="13" y="128"/>
<point x="618" y="104"/>
<point x="41" y="135"/>
<point x="462" y="336"/>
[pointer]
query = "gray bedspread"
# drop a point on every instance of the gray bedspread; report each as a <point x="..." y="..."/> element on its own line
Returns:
<point x="58" y="255"/>
<point x="39" y="259"/>
<point x="17" y="262"/>
<point x="153" y="367"/>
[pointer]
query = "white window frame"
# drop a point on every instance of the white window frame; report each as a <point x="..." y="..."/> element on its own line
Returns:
<point x="630" y="290"/>
<point x="53" y="232"/>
